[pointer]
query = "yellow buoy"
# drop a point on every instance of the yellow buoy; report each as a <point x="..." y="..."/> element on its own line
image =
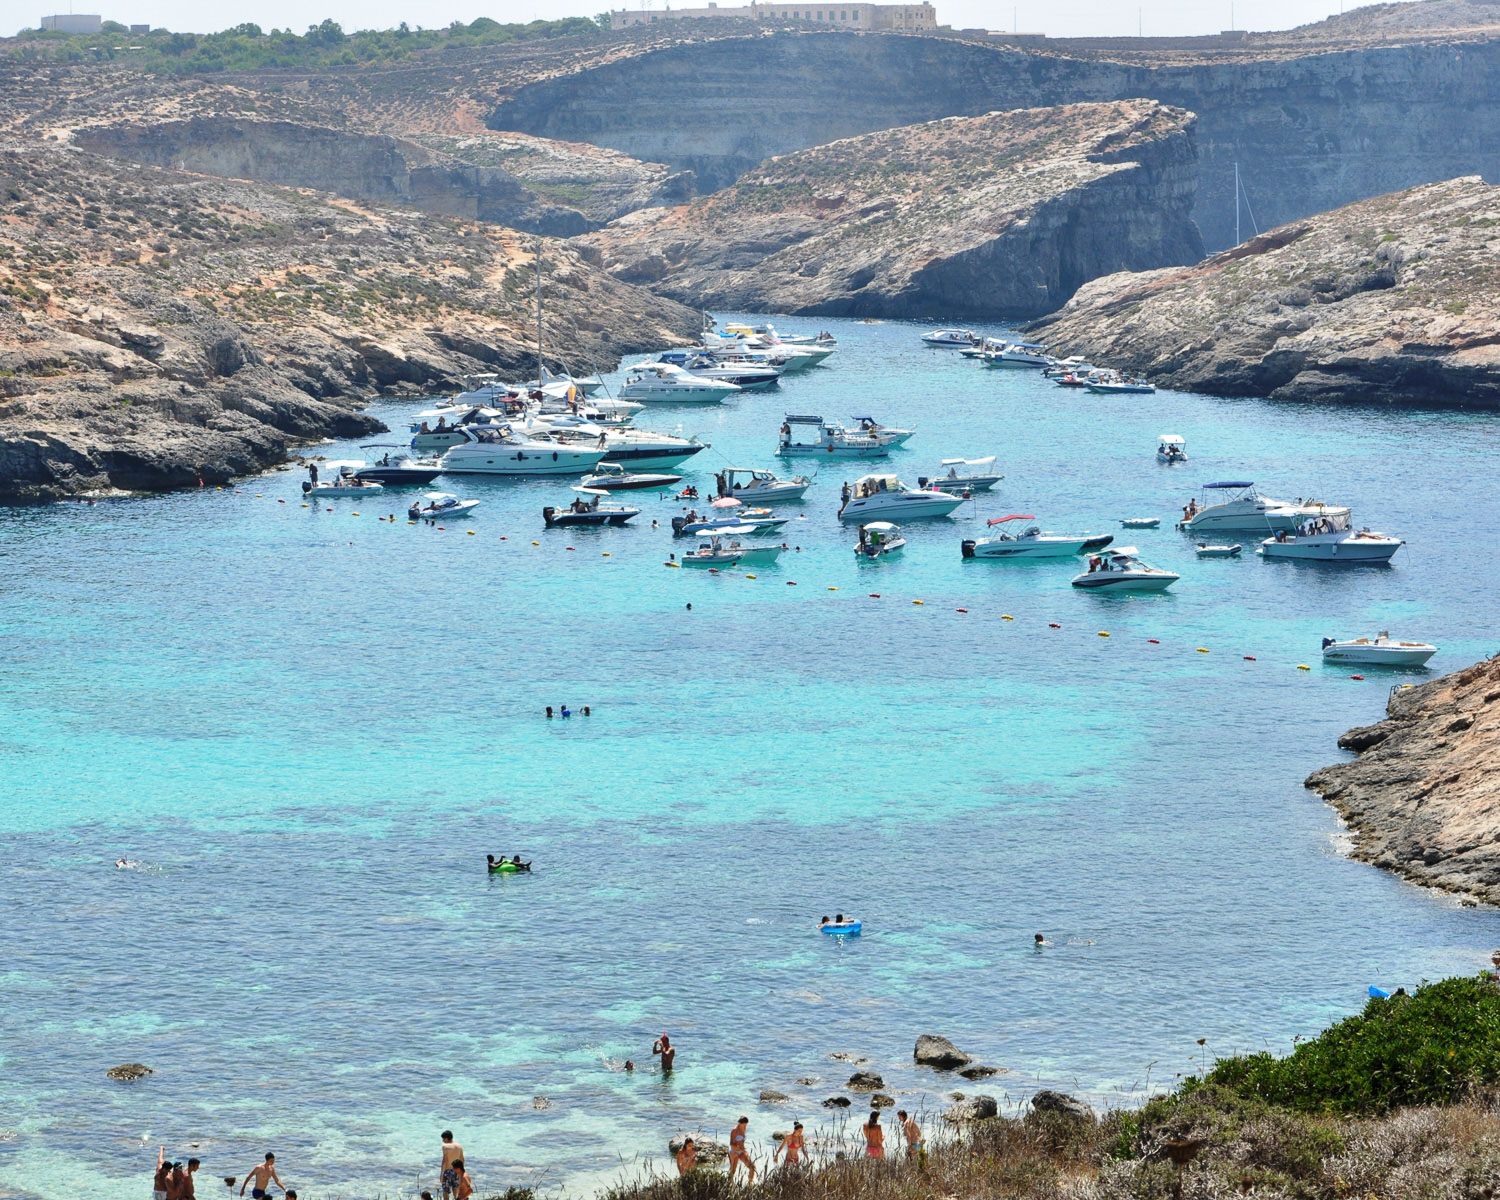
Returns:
<point x="354" y="514"/>
<point x="749" y="576"/>
<point x="833" y="589"/>
<point x="411" y="522"/>
<point x="604" y="554"/>
<point x="471" y="533"/>
<point x="671" y="564"/>
<point x="1303" y="667"/>
<point x="1006" y="617"/>
<point x="1202" y="649"/>
<point x="536" y="543"/>
<point x="916" y="602"/>
<point x="304" y="506"/>
<point x="1103" y="634"/>
<point x="258" y="495"/>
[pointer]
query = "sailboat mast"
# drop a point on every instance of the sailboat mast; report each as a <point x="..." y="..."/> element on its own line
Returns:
<point x="541" y="373"/>
<point x="1236" y="215"/>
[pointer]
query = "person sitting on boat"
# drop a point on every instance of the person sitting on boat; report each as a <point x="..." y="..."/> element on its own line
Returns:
<point x="442" y="423"/>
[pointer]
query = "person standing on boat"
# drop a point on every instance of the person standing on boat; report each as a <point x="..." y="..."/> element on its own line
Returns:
<point x="668" y="1053"/>
<point x="312" y="473"/>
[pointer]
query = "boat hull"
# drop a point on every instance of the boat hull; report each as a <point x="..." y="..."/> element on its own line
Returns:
<point x="1376" y="655"/>
<point x="1347" y="550"/>
<point x="559" y="519"/>
<point x="1034" y="547"/>
<point x="859" y="512"/>
<point x="810" y="450"/>
<point x="684" y="395"/>
<point x="752" y="556"/>
<point x="462" y="509"/>
<point x="613" y="483"/>
<point x="400" y="476"/>
<point x="1099" y="581"/>
<point x="520" y="463"/>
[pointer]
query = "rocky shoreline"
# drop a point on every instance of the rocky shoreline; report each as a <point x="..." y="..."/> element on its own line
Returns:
<point x="1423" y="797"/>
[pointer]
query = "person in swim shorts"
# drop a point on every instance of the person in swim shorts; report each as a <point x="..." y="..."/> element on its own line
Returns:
<point x="737" y="1152"/>
<point x="916" y="1144"/>
<point x="452" y="1153"/>
<point x="258" y="1178"/>
<point x="163" y="1175"/>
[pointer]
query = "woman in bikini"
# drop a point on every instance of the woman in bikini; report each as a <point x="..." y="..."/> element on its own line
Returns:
<point x="737" y="1152"/>
<point x="874" y="1136"/>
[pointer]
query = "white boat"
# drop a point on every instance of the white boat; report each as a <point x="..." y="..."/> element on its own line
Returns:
<point x="1379" y="651"/>
<point x="588" y="511"/>
<point x="342" y="481"/>
<point x="802" y="434"/>
<point x="635" y="449"/>
<point x="398" y="467"/>
<point x="741" y="372"/>
<point x="950" y="337"/>
<point x="503" y="452"/>
<point x="724" y="549"/>
<point x="878" y="539"/>
<point x="760" y="487"/>
<point x="1120" y="385"/>
<point x="886" y="498"/>
<point x="1019" y="354"/>
<point x="964" y="475"/>
<point x="612" y="477"/>
<point x="439" y="429"/>
<point x="870" y="427"/>
<point x="666" y="383"/>
<point x="440" y="504"/>
<point x="1121" y="570"/>
<point x="1032" y="543"/>
<point x="982" y="347"/>
<point x="1171" y="448"/>
<point x="479" y="391"/>
<point x="756" y="520"/>
<point x="1205" y="550"/>
<point x="1235" y="505"/>
<point x="1140" y="522"/>
<point x="1330" y="539"/>
<point x="1074" y="365"/>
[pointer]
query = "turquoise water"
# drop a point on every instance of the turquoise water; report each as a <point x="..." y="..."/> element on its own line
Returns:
<point x="310" y="727"/>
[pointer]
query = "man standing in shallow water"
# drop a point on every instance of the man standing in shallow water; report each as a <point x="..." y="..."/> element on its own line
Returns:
<point x="452" y="1153"/>
<point x="667" y="1051"/>
<point x="260" y="1177"/>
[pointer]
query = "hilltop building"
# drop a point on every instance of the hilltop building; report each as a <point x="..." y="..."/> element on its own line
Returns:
<point x="74" y="22"/>
<point x="908" y="17"/>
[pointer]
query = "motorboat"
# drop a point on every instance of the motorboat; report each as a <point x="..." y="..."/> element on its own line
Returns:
<point x="1032" y="542"/>
<point x="1019" y="354"/>
<point x="1140" y="522"/>
<point x="397" y="467"/>
<point x="760" y="487"/>
<point x="1205" y="550"/>
<point x="613" y="477"/>
<point x="666" y="383"/>
<point x="502" y="451"/>
<point x="1075" y="365"/>
<point x="743" y="373"/>
<point x="440" y="504"/>
<point x="763" y="344"/>
<point x="637" y="449"/>
<point x="950" y="337"/>
<point x="1235" y="505"/>
<point x="480" y="391"/>
<point x="560" y="383"/>
<point x="1122" y="570"/>
<point x="586" y="510"/>
<point x="342" y="482"/>
<point x="964" y="475"/>
<point x="1379" y="651"/>
<point x="724" y="549"/>
<point x="1330" y="539"/>
<point x="1171" y="448"/>
<point x="982" y="347"/>
<point x="1115" y="384"/>
<point x="439" y="429"/>
<point x="870" y="427"/>
<point x="878" y="539"/>
<point x="884" y="497"/>
<point x="826" y="438"/>
<point x="757" y="520"/>
<point x="601" y="410"/>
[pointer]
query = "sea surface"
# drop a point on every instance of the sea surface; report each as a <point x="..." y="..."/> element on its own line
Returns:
<point x="308" y="727"/>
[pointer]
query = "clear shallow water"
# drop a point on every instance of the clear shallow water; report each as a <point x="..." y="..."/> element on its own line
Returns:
<point x="313" y="726"/>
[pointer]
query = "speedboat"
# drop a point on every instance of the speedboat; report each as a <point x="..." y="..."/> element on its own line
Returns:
<point x="1019" y="354"/>
<point x="964" y="475"/>
<point x="877" y="539"/>
<point x="1115" y="384"/>
<point x="760" y="487"/>
<point x="343" y="483"/>
<point x="439" y="429"/>
<point x="724" y="549"/>
<point x="1033" y="543"/>
<point x="884" y="497"/>
<point x="440" y="504"/>
<point x="1330" y="539"/>
<point x="982" y="347"/>
<point x="1171" y="448"/>
<point x="637" y="449"/>
<point x="588" y="511"/>
<point x="743" y="373"/>
<point x="398" y="467"/>
<point x="501" y="451"/>
<point x="1235" y="505"/>
<point x="666" y="383"/>
<point x="757" y="520"/>
<point x="870" y="427"/>
<point x="1120" y="570"/>
<point x="612" y="477"/>
<point x="1205" y="550"/>
<point x="950" y="337"/>
<point x="1379" y="651"/>
<point x="829" y="439"/>
<point x="1076" y="366"/>
<point x="479" y="391"/>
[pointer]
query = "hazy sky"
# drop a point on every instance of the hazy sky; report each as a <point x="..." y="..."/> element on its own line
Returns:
<point x="1058" y="18"/>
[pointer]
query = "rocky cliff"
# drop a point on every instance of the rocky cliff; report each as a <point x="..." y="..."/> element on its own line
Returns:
<point x="1389" y="300"/>
<point x="158" y="327"/>
<point x="1311" y="128"/>
<point x="1000" y="215"/>
<point x="1423" y="797"/>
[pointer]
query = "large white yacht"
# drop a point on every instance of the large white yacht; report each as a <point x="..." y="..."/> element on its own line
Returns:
<point x="637" y="449"/>
<point x="501" y="451"/>
<point x="666" y="383"/>
<point x="805" y="434"/>
<point x="1331" y="539"/>
<point x="1032" y="542"/>
<point x="886" y="498"/>
<point x="1235" y="505"/>
<point x="741" y="372"/>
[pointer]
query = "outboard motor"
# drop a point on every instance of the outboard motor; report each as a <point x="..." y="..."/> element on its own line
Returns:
<point x="967" y="548"/>
<point x="922" y="482"/>
<point x="1327" y="642"/>
<point x="306" y="487"/>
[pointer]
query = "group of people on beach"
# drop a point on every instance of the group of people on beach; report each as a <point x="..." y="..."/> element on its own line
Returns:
<point x="794" y="1145"/>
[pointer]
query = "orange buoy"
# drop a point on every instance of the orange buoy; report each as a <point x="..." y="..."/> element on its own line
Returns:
<point x="1154" y="641"/>
<point x="1053" y="625"/>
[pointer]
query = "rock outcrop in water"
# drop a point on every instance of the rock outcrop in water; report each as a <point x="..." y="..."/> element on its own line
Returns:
<point x="1423" y="797"/>
<point x="1000" y="215"/>
<point x="159" y="328"/>
<point x="1389" y="300"/>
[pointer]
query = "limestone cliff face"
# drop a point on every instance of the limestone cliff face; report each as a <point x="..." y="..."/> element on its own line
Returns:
<point x="1392" y="299"/>
<point x="1423" y="798"/>
<point x="571" y="189"/>
<point x="157" y="327"/>
<point x="1311" y="129"/>
<point x="1000" y="215"/>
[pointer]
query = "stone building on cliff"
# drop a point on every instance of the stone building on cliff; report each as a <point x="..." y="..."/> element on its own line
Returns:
<point x="857" y="16"/>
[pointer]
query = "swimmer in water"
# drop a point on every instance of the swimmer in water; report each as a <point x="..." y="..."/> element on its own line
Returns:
<point x="126" y="864"/>
<point x="1040" y="941"/>
<point x="667" y="1051"/>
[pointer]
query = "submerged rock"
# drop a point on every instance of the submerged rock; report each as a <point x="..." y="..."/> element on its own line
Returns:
<point x="837" y="1102"/>
<point x="1061" y="1104"/>
<point x="540" y="1102"/>
<point x="934" y="1051"/>
<point x="768" y="1096"/>
<point x="129" y="1071"/>
<point x="881" y="1100"/>
<point x="865" y="1081"/>
<point x="978" y="1071"/>
<point x="808" y="1081"/>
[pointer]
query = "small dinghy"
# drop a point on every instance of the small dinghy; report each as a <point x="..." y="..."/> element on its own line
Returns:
<point x="440" y="504"/>
<point x="1141" y="522"/>
<point x="1207" y="551"/>
<point x="848" y="927"/>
